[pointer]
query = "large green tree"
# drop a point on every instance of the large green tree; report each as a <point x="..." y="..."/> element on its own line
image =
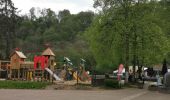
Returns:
<point x="127" y="32"/>
<point x="164" y="15"/>
<point x="8" y="20"/>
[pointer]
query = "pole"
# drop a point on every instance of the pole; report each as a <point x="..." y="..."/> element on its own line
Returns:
<point x="77" y="76"/>
<point x="52" y="77"/>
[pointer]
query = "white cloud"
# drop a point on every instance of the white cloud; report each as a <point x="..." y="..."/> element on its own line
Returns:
<point x="74" y="6"/>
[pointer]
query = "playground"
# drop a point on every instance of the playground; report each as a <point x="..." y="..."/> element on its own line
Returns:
<point x="42" y="72"/>
<point x="42" y="69"/>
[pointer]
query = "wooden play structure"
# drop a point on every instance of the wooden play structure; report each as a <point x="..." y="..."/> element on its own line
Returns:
<point x="18" y="65"/>
<point x="42" y="68"/>
<point x="44" y="65"/>
<point x="19" y="69"/>
<point x="4" y="68"/>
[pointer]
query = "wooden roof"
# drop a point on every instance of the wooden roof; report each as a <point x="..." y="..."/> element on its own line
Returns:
<point x="4" y="61"/>
<point x="28" y="63"/>
<point x="48" y="52"/>
<point x="19" y="53"/>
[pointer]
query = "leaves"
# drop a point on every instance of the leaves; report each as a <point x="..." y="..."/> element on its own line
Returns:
<point x="8" y="20"/>
<point x="148" y="42"/>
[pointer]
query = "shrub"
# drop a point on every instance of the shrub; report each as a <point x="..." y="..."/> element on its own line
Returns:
<point x="153" y="88"/>
<point x="111" y="83"/>
<point x="22" y="85"/>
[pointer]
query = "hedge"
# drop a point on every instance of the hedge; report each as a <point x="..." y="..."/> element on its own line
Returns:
<point x="22" y="85"/>
<point x="111" y="83"/>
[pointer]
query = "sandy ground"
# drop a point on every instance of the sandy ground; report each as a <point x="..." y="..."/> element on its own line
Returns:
<point x="122" y="94"/>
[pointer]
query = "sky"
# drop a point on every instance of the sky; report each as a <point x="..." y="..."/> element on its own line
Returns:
<point x="74" y="6"/>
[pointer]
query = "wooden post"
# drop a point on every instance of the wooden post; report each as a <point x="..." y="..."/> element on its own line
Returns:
<point x="34" y="75"/>
<point x="42" y="75"/>
<point x="29" y="75"/>
<point x="22" y="75"/>
<point x="12" y="73"/>
<point x="77" y="75"/>
<point x="25" y="74"/>
<point x="18" y="73"/>
<point x="52" y="76"/>
<point x="0" y="69"/>
<point x="9" y="73"/>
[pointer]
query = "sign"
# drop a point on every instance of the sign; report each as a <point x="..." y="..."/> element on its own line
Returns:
<point x="119" y="73"/>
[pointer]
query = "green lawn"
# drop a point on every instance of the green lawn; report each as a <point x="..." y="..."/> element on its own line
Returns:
<point x="22" y="85"/>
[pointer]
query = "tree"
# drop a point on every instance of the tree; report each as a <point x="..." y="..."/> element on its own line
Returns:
<point x="63" y="14"/>
<point x="72" y="25"/>
<point x="8" y="20"/>
<point x="164" y="14"/>
<point x="32" y="14"/>
<point x="164" y="67"/>
<point x="64" y="36"/>
<point x="120" y="33"/>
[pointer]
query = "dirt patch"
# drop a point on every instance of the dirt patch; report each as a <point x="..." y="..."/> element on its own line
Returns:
<point x="72" y="85"/>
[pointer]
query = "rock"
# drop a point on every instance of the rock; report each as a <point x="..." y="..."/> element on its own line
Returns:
<point x="166" y="87"/>
<point x="167" y="80"/>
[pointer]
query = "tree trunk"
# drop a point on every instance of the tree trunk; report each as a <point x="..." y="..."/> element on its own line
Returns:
<point x="126" y="42"/>
<point x="134" y="54"/>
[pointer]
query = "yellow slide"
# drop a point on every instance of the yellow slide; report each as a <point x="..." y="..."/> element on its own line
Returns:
<point x="75" y="76"/>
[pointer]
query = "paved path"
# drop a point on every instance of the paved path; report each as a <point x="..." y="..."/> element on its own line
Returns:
<point x="123" y="94"/>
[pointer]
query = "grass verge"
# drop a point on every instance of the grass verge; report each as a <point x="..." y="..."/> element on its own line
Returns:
<point x="22" y="85"/>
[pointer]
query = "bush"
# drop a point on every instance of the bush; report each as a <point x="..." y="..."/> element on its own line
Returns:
<point x="153" y="88"/>
<point x="22" y="85"/>
<point x="111" y="83"/>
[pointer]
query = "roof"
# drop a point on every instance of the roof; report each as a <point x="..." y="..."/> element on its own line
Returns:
<point x="4" y="61"/>
<point x="27" y="63"/>
<point x="20" y="54"/>
<point x="48" y="52"/>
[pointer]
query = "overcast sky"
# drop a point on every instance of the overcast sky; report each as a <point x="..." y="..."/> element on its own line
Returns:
<point x="74" y="6"/>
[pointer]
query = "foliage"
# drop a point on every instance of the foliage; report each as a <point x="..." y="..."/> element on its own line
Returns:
<point x="8" y="20"/>
<point x="33" y="31"/>
<point x="125" y="31"/>
<point x="62" y="32"/>
<point x="139" y="38"/>
<point x="22" y="85"/>
<point x="111" y="83"/>
<point x="164" y="67"/>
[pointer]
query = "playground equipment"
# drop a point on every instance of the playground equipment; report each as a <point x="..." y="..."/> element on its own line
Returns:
<point x="4" y="68"/>
<point x="67" y="59"/>
<point x="76" y="77"/>
<point x="46" y="61"/>
<point x="40" y="60"/>
<point x="83" y="73"/>
<point x="19" y="68"/>
<point x="53" y="74"/>
<point x="42" y="68"/>
<point x="78" y="73"/>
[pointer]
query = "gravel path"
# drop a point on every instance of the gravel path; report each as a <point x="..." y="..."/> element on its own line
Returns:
<point x="123" y="94"/>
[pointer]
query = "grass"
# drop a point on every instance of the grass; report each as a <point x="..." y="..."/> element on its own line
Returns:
<point x="22" y="85"/>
